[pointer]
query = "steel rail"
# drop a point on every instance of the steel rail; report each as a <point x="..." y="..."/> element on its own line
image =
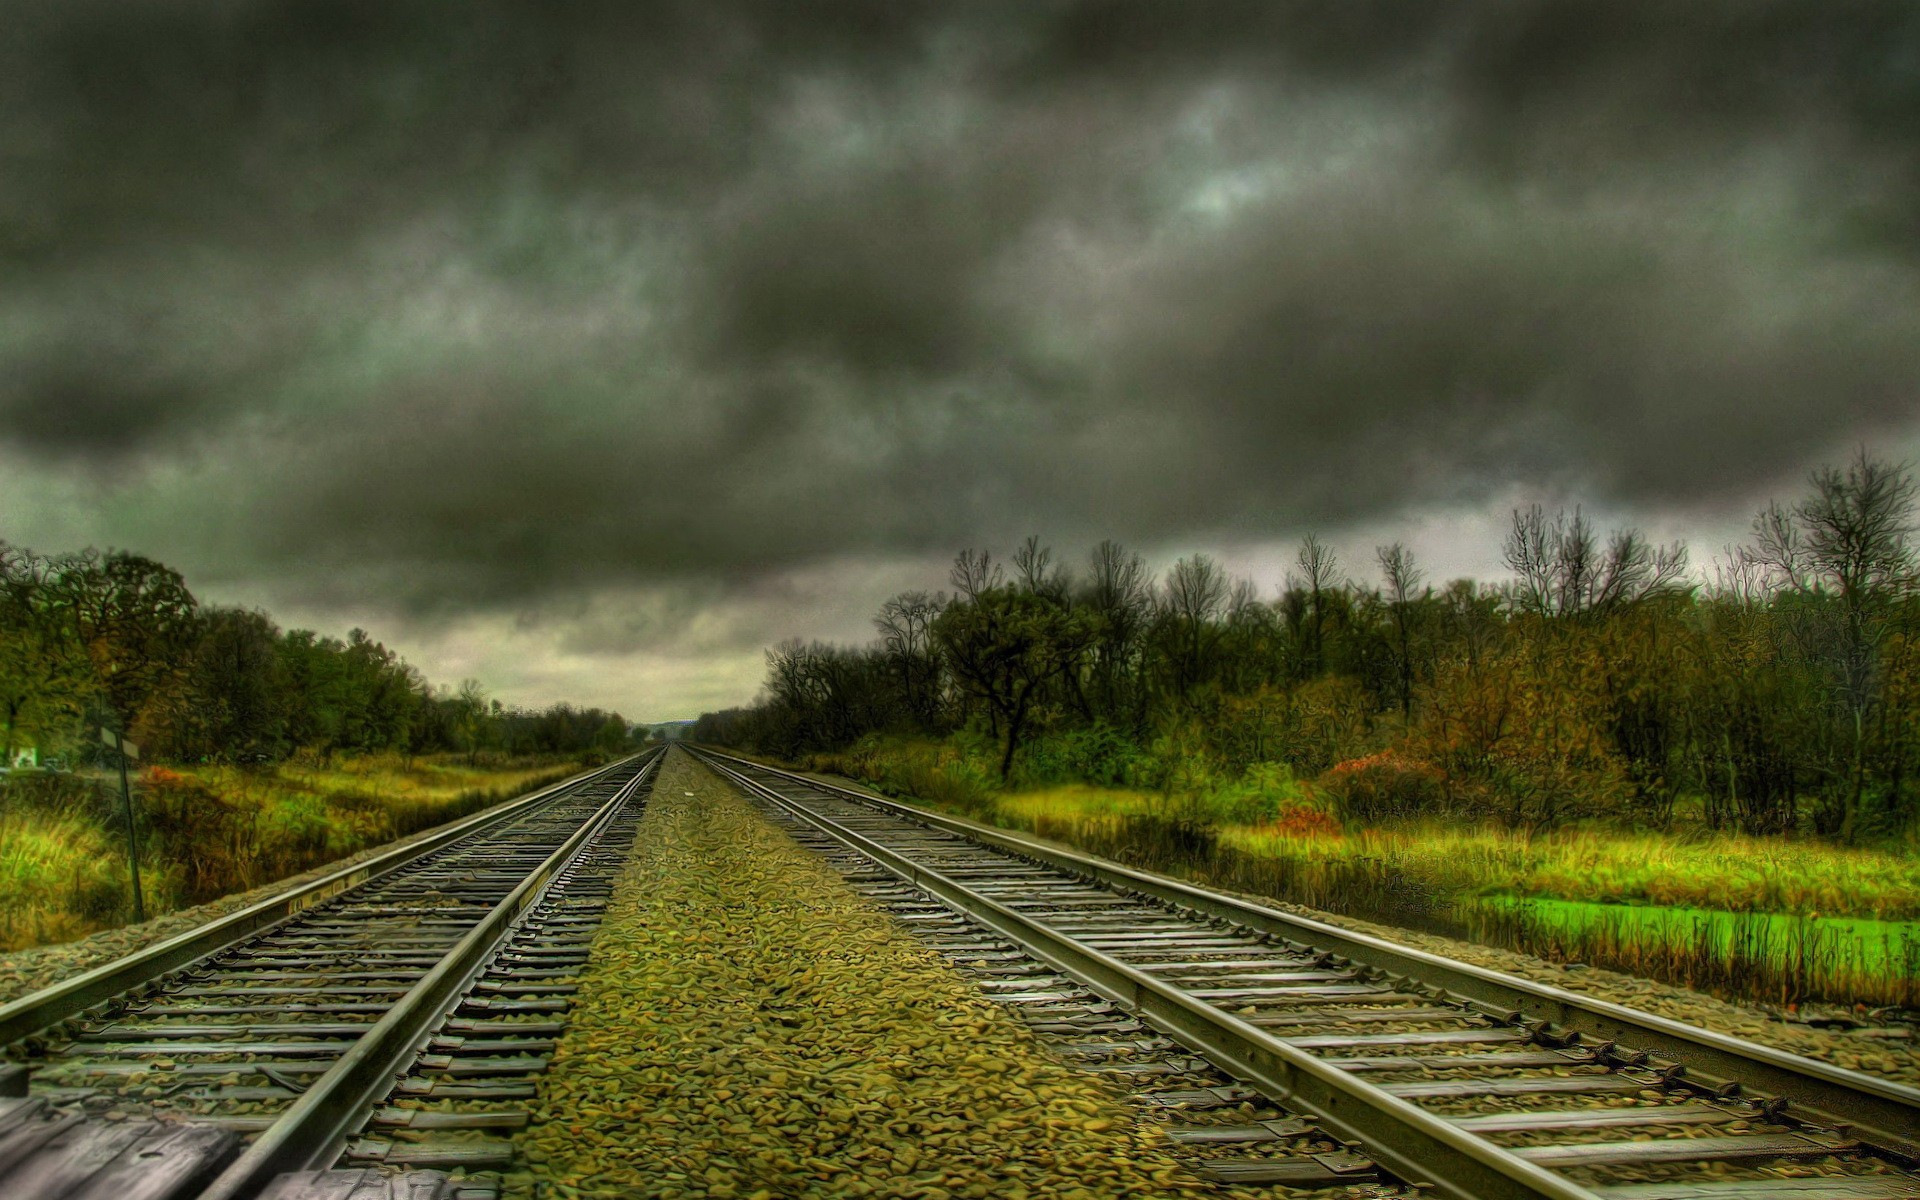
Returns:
<point x="37" y="1011"/>
<point x="312" y="1132"/>
<point x="1881" y="1113"/>
<point x="1404" y="1139"/>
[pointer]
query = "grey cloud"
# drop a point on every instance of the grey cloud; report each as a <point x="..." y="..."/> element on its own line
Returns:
<point x="485" y="309"/>
<point x="1499" y="339"/>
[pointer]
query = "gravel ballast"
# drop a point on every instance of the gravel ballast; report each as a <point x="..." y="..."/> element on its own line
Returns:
<point x="750" y="1027"/>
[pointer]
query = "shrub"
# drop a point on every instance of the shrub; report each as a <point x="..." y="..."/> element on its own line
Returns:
<point x="1381" y="787"/>
<point x="214" y="838"/>
<point x="943" y="775"/>
<point x="213" y="829"/>
<point x="1268" y="794"/>
<point x="1100" y="755"/>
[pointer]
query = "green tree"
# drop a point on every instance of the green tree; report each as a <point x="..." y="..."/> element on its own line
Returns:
<point x="471" y="727"/>
<point x="1187" y="627"/>
<point x="1004" y="645"/>
<point x="905" y="625"/>
<point x="135" y="622"/>
<point x="231" y="700"/>
<point x="44" y="681"/>
<point x="1118" y="595"/>
<point x="1403" y="593"/>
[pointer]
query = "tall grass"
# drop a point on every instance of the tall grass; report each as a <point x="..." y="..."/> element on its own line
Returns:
<point x="1771" y="935"/>
<point x="1367" y="887"/>
<point x="62" y="873"/>
<point x="210" y="831"/>
<point x="1736" y="874"/>
<point x="1729" y="872"/>
<point x="1784" y="959"/>
<point x="1744" y="955"/>
<point x="933" y="773"/>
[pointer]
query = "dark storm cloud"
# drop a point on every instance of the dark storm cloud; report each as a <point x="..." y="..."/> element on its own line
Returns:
<point x="464" y="305"/>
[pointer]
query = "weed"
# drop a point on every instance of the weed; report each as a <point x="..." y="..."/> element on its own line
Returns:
<point x="1269" y="834"/>
<point x="210" y="831"/>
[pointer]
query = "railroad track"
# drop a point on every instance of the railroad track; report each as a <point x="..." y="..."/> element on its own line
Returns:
<point x="388" y="1017"/>
<point x="1313" y="1056"/>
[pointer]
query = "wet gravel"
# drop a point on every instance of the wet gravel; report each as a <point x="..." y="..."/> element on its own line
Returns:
<point x="749" y="1027"/>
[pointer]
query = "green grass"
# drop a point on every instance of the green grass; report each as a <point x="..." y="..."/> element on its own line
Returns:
<point x="1076" y="802"/>
<point x="935" y="773"/>
<point x="1772" y="956"/>
<point x="1729" y="873"/>
<point x="349" y="804"/>
<point x="1872" y="947"/>
<point x="210" y="831"/>
<point x="1754" y="918"/>
<point x="61" y="875"/>
<point x="1724" y="872"/>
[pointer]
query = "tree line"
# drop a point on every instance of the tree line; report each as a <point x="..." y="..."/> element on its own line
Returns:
<point x="116" y="641"/>
<point x="1777" y="690"/>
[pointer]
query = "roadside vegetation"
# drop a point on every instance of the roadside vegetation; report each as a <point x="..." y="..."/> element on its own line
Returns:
<point x="1706" y="776"/>
<point x="213" y="830"/>
<point x="262" y="752"/>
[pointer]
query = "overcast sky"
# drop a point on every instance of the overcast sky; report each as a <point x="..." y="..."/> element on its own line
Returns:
<point x="587" y="349"/>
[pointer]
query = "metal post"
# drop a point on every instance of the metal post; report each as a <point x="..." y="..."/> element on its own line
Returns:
<point x="133" y="836"/>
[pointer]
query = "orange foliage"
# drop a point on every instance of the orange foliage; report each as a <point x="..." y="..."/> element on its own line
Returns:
<point x="1523" y="735"/>
<point x="1383" y="786"/>
<point x="1301" y="821"/>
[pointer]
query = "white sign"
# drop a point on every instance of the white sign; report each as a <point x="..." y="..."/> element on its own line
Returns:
<point x="119" y="743"/>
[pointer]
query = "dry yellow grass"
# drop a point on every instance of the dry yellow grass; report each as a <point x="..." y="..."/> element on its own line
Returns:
<point x="209" y="831"/>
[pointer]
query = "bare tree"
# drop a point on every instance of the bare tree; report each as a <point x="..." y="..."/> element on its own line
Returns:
<point x="1634" y="569"/>
<point x="905" y="625"/>
<point x="1035" y="570"/>
<point x="1191" y="603"/>
<point x="1119" y="596"/>
<point x="1562" y="570"/>
<point x="1246" y="658"/>
<point x="1852" y="538"/>
<point x="1319" y="576"/>
<point x="974" y="572"/>
<point x="1403" y="580"/>
<point x="1848" y="548"/>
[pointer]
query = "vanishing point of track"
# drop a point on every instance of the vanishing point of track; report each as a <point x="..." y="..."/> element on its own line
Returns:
<point x="1360" y="1060"/>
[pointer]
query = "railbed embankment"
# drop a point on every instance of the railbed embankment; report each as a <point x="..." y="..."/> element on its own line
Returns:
<point x="751" y="1027"/>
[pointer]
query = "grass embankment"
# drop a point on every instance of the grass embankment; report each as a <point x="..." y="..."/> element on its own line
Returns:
<point x="750" y="1027"/>
<point x="1776" y="920"/>
<point x="210" y="831"/>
